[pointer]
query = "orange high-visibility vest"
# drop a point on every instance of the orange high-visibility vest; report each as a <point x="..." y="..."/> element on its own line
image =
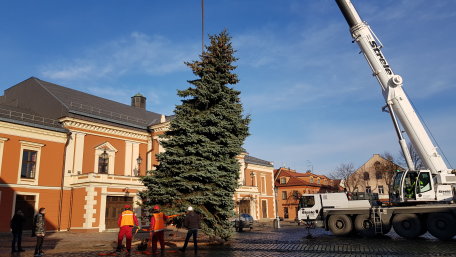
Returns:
<point x="127" y="219"/>
<point x="159" y="221"/>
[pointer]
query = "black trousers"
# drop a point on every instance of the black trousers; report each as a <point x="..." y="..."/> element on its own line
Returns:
<point x="39" y="244"/>
<point x="17" y="239"/>
<point x="191" y="232"/>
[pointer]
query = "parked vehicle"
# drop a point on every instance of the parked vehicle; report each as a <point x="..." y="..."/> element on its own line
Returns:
<point x="244" y="220"/>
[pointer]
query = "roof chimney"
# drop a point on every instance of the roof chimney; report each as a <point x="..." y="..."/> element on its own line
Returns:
<point x="138" y="101"/>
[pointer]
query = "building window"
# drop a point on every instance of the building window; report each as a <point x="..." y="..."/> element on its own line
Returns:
<point x="318" y="181"/>
<point x="366" y="175"/>
<point x="29" y="162"/>
<point x="263" y="185"/>
<point x="285" y="212"/>
<point x="283" y="180"/>
<point x="29" y="158"/>
<point x="311" y="179"/>
<point x="378" y="175"/>
<point x="105" y="159"/>
<point x="284" y="195"/>
<point x="380" y="190"/>
<point x="103" y="163"/>
<point x="368" y="190"/>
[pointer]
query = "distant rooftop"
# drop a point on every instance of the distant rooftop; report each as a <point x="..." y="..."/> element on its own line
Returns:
<point x="254" y="160"/>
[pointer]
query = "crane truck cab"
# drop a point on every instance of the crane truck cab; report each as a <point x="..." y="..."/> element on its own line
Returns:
<point x="419" y="186"/>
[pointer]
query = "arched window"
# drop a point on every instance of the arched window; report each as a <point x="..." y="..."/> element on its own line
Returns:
<point x="378" y="174"/>
<point x="366" y="175"/>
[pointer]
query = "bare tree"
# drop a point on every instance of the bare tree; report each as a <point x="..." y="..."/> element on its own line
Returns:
<point x="388" y="168"/>
<point x="416" y="159"/>
<point x="346" y="172"/>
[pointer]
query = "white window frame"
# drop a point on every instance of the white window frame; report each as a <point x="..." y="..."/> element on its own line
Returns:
<point x="284" y="193"/>
<point x="382" y="189"/>
<point x="26" y="145"/>
<point x="111" y="151"/>
<point x="2" y="146"/>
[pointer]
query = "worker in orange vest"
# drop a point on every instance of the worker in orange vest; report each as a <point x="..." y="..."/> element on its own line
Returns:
<point x="157" y="228"/>
<point x="127" y="220"/>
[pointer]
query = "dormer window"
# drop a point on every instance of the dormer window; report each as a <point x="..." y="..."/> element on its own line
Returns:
<point x="283" y="180"/>
<point x="311" y="179"/>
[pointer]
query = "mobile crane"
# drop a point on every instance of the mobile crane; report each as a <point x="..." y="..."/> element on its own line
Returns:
<point x="423" y="199"/>
<point x="437" y="183"/>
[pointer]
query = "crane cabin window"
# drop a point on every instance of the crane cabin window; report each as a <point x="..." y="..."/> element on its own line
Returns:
<point x="424" y="182"/>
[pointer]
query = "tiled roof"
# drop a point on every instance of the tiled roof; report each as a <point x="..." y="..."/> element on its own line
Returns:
<point x="254" y="160"/>
<point x="54" y="101"/>
<point x="83" y="103"/>
<point x="28" y="118"/>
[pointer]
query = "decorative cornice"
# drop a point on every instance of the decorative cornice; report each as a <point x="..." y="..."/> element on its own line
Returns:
<point x="160" y="127"/>
<point x="31" y="132"/>
<point x="102" y="128"/>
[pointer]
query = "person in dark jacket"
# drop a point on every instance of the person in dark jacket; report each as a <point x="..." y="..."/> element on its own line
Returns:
<point x="39" y="230"/>
<point x="16" y="225"/>
<point x="192" y="222"/>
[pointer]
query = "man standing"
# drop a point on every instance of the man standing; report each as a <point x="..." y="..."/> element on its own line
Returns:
<point x="157" y="228"/>
<point x="16" y="225"/>
<point x="192" y="222"/>
<point x="39" y="230"/>
<point x="127" y="220"/>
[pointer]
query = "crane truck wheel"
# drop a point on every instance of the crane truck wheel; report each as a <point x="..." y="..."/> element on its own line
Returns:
<point x="340" y="225"/>
<point x="407" y="225"/>
<point x="441" y="225"/>
<point x="364" y="225"/>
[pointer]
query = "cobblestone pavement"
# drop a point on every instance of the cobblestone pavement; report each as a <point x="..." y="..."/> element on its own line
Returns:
<point x="289" y="241"/>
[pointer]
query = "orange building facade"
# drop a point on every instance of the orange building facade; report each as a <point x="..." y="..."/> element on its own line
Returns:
<point x="77" y="155"/>
<point x="81" y="157"/>
<point x="291" y="185"/>
<point x="255" y="195"/>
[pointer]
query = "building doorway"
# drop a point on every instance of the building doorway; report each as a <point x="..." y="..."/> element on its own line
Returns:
<point x="26" y="203"/>
<point x="264" y="209"/>
<point x="244" y="207"/>
<point x="114" y="207"/>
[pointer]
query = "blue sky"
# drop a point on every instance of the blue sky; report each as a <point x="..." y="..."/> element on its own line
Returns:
<point x="311" y="97"/>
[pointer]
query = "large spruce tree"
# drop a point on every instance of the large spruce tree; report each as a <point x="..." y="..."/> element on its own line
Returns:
<point x="199" y="166"/>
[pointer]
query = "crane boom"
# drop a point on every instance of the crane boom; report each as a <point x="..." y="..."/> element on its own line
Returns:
<point x="392" y="90"/>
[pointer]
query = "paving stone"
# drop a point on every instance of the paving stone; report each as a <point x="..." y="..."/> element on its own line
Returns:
<point x="289" y="241"/>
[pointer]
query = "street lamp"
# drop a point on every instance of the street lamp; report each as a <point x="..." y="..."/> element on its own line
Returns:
<point x="277" y="220"/>
<point x="139" y="160"/>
